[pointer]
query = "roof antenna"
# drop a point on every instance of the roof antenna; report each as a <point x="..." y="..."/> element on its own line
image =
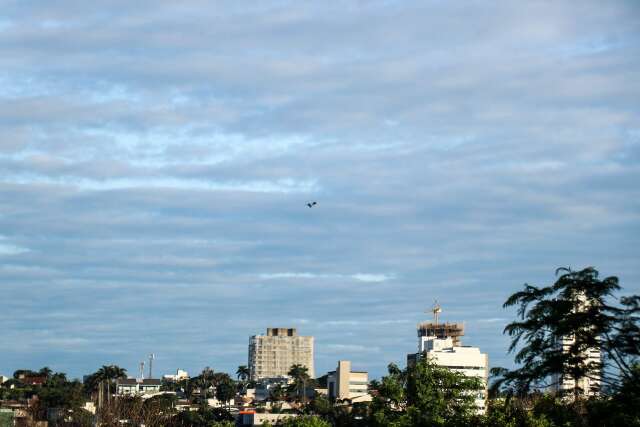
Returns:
<point x="151" y="357"/>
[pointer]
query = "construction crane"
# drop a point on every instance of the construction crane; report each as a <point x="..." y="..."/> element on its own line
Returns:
<point x="436" y="310"/>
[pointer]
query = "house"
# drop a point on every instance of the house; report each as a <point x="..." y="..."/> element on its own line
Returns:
<point x="137" y="387"/>
<point x="251" y="418"/>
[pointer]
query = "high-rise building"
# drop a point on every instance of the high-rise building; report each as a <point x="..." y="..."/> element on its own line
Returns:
<point x="273" y="354"/>
<point x="467" y="360"/>
<point x="587" y="385"/>
<point x="441" y="344"/>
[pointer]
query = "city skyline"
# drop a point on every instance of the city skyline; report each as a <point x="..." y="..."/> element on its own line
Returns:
<point x="156" y="161"/>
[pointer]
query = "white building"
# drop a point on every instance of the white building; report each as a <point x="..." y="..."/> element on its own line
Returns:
<point x="273" y="354"/>
<point x="137" y="387"/>
<point x="587" y="385"/>
<point x="467" y="360"/>
<point x="179" y="376"/>
<point x="343" y="383"/>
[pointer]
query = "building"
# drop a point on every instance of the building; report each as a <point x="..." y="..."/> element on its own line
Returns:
<point x="273" y="354"/>
<point x="442" y="330"/>
<point x="587" y="386"/>
<point x="179" y="376"/>
<point x="251" y="418"/>
<point x="343" y="383"/>
<point x="467" y="360"/>
<point x="136" y="386"/>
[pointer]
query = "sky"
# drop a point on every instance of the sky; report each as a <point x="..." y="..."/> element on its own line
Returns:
<point x="156" y="159"/>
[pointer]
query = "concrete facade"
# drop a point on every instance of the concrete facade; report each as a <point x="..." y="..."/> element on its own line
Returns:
<point x="343" y="383"/>
<point x="455" y="331"/>
<point x="587" y="386"/>
<point x="273" y="354"/>
<point x="467" y="360"/>
<point x="136" y="387"/>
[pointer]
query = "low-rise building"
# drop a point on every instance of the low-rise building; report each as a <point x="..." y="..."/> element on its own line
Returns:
<point x="136" y="386"/>
<point x="343" y="383"/>
<point x="251" y="418"/>
<point x="179" y="376"/>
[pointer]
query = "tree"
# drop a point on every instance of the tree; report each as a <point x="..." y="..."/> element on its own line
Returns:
<point x="243" y="372"/>
<point x="277" y="393"/>
<point x="583" y="307"/>
<point x="300" y="376"/>
<point x="45" y="372"/>
<point x="225" y="389"/>
<point x="305" y="421"/>
<point x="106" y="375"/>
<point x="424" y="395"/>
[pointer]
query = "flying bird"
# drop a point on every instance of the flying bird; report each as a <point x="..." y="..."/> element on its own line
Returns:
<point x="311" y="204"/>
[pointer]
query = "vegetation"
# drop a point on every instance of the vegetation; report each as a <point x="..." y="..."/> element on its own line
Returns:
<point x="579" y="305"/>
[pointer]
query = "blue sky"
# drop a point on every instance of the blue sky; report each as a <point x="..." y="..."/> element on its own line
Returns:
<point x="156" y="158"/>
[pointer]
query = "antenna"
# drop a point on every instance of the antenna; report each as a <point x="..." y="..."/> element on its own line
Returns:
<point x="142" y="370"/>
<point x="151" y="358"/>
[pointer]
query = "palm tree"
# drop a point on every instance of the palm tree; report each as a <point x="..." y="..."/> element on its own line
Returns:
<point x="207" y="379"/>
<point x="108" y="374"/>
<point x="300" y="375"/>
<point x="243" y="374"/>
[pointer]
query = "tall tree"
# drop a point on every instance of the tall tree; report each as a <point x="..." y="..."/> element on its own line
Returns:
<point x="584" y="308"/>
<point x="299" y="374"/>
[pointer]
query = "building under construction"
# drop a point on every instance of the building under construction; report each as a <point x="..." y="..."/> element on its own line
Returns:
<point x="442" y="330"/>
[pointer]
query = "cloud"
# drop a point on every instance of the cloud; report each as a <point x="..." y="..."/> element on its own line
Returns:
<point x="156" y="160"/>
<point x="361" y="277"/>
<point x="10" y="249"/>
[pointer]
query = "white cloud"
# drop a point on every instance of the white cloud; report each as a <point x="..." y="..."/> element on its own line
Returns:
<point x="360" y="277"/>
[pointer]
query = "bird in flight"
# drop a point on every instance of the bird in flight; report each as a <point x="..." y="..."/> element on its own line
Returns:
<point x="311" y="204"/>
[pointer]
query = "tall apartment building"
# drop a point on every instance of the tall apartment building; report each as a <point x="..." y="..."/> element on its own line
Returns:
<point x="343" y="383"/>
<point x="273" y="354"/>
<point x="587" y="385"/>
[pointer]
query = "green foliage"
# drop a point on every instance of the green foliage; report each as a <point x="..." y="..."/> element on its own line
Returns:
<point x="205" y="417"/>
<point x="305" y="421"/>
<point x="243" y="372"/>
<point x="300" y="375"/>
<point x="424" y="395"/>
<point x="513" y="413"/>
<point x="578" y="305"/>
<point x="225" y="388"/>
